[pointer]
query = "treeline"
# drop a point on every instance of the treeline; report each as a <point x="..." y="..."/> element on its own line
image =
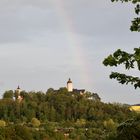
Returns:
<point x="58" y="114"/>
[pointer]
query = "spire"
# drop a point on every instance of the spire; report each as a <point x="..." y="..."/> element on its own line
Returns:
<point x="69" y="81"/>
<point x="18" y="87"/>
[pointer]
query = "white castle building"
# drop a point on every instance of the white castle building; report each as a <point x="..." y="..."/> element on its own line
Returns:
<point x="69" y="85"/>
<point x="71" y="89"/>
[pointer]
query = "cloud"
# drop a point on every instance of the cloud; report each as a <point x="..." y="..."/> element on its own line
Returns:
<point x="22" y="19"/>
<point x="44" y="42"/>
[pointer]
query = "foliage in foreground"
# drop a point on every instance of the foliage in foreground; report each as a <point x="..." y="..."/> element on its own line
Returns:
<point x="128" y="130"/>
<point x="136" y="22"/>
<point x="130" y="61"/>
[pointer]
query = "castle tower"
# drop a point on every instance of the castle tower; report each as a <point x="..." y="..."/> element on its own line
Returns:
<point x="18" y="96"/>
<point x="18" y="90"/>
<point x="69" y="85"/>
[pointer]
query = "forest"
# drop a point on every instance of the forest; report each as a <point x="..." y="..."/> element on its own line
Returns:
<point x="63" y="115"/>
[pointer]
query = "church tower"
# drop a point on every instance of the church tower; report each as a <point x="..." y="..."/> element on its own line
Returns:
<point x="69" y="85"/>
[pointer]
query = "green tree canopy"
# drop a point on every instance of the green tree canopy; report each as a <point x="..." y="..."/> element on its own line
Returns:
<point x="35" y="122"/>
<point x="2" y="123"/>
<point x="129" y="60"/>
<point x="136" y="22"/>
<point x="8" y="94"/>
<point x="129" y="130"/>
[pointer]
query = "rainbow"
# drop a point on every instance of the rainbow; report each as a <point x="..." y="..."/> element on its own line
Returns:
<point x="73" y="40"/>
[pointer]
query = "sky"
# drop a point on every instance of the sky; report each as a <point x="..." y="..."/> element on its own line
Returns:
<point x="45" y="42"/>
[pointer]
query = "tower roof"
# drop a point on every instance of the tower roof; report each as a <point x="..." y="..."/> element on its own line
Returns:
<point x="69" y="81"/>
<point x="18" y="87"/>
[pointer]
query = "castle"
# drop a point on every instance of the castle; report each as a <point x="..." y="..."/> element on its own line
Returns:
<point x="71" y="89"/>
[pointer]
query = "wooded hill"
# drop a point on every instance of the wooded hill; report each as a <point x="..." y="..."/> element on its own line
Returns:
<point x="58" y="115"/>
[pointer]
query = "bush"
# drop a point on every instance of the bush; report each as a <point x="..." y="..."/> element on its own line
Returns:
<point x="2" y="123"/>
<point x="35" y="122"/>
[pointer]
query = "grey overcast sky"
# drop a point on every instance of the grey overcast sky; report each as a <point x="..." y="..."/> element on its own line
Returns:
<point x="44" y="42"/>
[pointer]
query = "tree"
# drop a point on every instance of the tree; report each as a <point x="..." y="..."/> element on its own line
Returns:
<point x="8" y="94"/>
<point x="130" y="129"/>
<point x="50" y="90"/>
<point x="110" y="125"/>
<point x="129" y="60"/>
<point x="2" y="123"/>
<point x="35" y="122"/>
<point x="22" y="133"/>
<point x="136" y="22"/>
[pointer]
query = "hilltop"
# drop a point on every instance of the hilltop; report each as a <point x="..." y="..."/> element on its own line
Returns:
<point x="58" y="115"/>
